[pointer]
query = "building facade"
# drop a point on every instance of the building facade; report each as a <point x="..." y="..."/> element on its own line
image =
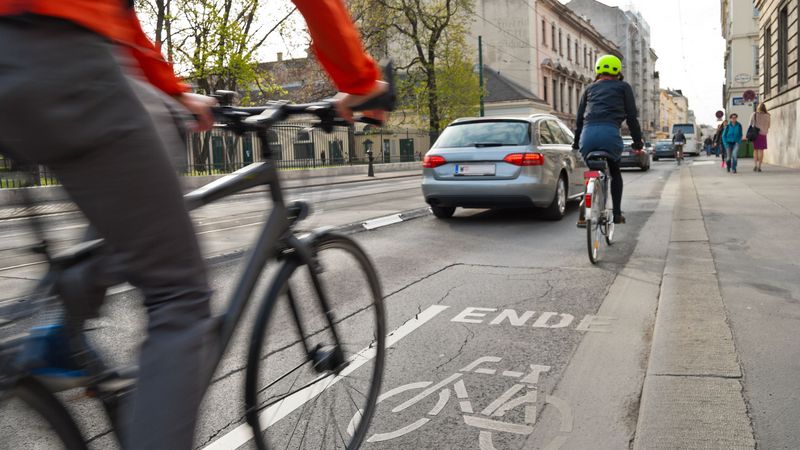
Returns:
<point x="739" y="20"/>
<point x="542" y="47"/>
<point x="779" y="80"/>
<point x="631" y="33"/>
<point x="674" y="109"/>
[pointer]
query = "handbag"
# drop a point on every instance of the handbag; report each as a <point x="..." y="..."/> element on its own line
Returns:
<point x="752" y="133"/>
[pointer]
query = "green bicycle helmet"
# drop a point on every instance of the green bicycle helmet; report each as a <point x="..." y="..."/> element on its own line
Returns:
<point x="608" y="65"/>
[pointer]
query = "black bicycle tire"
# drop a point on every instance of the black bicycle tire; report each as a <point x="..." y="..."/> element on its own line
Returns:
<point x="276" y="289"/>
<point x="592" y="227"/>
<point x="38" y="398"/>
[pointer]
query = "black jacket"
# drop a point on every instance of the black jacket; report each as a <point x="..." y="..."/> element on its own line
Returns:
<point x="608" y="101"/>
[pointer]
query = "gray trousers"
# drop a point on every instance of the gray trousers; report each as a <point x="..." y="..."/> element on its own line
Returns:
<point x="66" y="102"/>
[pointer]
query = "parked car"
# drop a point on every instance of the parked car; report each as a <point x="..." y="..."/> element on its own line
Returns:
<point x="634" y="158"/>
<point x="503" y="162"/>
<point x="664" y="149"/>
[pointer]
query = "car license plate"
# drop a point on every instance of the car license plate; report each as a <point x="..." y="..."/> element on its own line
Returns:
<point x="626" y="153"/>
<point x="474" y="169"/>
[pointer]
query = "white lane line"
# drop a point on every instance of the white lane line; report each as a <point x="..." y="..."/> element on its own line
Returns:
<point x="243" y="433"/>
<point x="382" y="221"/>
<point x="703" y="163"/>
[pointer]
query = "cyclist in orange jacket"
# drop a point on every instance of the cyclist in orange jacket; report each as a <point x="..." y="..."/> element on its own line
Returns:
<point x="84" y="91"/>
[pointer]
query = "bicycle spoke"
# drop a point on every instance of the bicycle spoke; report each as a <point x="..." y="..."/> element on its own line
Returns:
<point x="282" y="377"/>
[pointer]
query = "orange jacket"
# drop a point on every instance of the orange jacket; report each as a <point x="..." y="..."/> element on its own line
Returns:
<point x="335" y="39"/>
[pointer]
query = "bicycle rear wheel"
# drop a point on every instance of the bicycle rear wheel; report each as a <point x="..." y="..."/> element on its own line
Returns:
<point x="31" y="417"/>
<point x="594" y="222"/>
<point x="294" y="401"/>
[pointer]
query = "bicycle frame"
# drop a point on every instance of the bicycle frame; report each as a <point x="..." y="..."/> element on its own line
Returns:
<point x="273" y="238"/>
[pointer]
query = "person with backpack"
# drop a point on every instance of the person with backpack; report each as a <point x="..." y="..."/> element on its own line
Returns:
<point x="604" y="105"/>
<point x="732" y="136"/>
<point x="679" y="140"/>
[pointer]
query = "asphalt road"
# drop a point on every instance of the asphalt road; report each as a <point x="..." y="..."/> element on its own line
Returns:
<point x="489" y="306"/>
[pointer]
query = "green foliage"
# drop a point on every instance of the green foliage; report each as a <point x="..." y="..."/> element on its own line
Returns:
<point x="457" y="88"/>
<point x="213" y="43"/>
<point x="428" y="38"/>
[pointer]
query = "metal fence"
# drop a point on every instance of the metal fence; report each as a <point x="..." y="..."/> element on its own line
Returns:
<point x="293" y="146"/>
<point x="15" y="175"/>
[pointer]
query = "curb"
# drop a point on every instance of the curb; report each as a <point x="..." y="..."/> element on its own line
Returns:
<point x="692" y="394"/>
<point x="351" y="228"/>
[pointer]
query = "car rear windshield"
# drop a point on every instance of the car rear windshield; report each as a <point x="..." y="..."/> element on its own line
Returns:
<point x="686" y="128"/>
<point x="484" y="134"/>
<point x="663" y="145"/>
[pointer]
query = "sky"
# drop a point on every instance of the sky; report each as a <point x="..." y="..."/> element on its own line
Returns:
<point x="687" y="38"/>
<point x="685" y="35"/>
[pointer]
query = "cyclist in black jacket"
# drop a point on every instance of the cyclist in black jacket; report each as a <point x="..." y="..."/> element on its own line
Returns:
<point x="604" y="105"/>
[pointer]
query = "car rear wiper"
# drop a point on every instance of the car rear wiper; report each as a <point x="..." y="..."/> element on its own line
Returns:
<point x="488" y="144"/>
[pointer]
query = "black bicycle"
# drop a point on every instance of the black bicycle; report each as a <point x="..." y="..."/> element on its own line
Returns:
<point x="313" y="360"/>
<point x="597" y="205"/>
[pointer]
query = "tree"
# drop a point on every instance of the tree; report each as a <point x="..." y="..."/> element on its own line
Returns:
<point x="437" y="79"/>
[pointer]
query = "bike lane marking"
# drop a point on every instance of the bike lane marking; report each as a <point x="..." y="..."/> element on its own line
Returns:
<point x="243" y="433"/>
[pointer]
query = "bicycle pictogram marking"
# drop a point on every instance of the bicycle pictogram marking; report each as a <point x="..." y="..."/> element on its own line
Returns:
<point x="523" y="394"/>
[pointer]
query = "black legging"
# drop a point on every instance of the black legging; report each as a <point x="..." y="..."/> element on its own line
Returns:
<point x="616" y="185"/>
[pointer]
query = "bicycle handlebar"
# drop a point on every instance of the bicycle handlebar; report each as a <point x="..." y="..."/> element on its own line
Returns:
<point x="253" y="118"/>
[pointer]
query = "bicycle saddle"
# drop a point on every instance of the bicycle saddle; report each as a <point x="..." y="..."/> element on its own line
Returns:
<point x="596" y="160"/>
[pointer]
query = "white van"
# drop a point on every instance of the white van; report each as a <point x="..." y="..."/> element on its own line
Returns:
<point x="692" y="137"/>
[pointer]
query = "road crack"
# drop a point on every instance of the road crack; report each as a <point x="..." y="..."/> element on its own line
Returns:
<point x="467" y="338"/>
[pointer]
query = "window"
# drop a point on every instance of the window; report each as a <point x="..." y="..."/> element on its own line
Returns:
<point x="569" y="106"/>
<point x="544" y="33"/>
<point x="768" y="60"/>
<point x="560" y="43"/>
<point x="756" y="68"/>
<point x="545" y="90"/>
<point x="488" y="133"/>
<point x="569" y="48"/>
<point x="577" y="59"/>
<point x="783" y="47"/>
<point x="553" y="37"/>
<point x="561" y="95"/>
<point x="585" y="57"/>
<point x="545" y="134"/>
<point x="555" y="95"/>
<point x="558" y="133"/>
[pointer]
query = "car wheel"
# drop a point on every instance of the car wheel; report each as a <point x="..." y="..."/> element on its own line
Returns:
<point x="558" y="207"/>
<point x="443" y="212"/>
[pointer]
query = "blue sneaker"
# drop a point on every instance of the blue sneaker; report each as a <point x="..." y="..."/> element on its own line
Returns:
<point x="59" y="362"/>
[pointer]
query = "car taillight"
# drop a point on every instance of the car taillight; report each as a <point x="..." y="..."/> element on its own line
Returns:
<point x="433" y="161"/>
<point x="638" y="152"/>
<point x="525" y="159"/>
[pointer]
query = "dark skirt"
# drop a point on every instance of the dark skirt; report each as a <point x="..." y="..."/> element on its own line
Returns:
<point x="761" y="142"/>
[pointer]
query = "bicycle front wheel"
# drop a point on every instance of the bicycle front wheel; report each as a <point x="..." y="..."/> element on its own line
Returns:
<point x="31" y="417"/>
<point x="310" y="371"/>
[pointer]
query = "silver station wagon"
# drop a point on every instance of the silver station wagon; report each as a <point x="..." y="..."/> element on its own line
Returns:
<point x="503" y="162"/>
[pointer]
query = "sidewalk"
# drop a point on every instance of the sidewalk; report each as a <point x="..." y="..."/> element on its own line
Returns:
<point x="311" y="180"/>
<point x="724" y="364"/>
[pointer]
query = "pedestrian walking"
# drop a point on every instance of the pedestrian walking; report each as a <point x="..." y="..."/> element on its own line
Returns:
<point x="760" y="120"/>
<point x="717" y="141"/>
<point x="322" y="157"/>
<point x="732" y="136"/>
